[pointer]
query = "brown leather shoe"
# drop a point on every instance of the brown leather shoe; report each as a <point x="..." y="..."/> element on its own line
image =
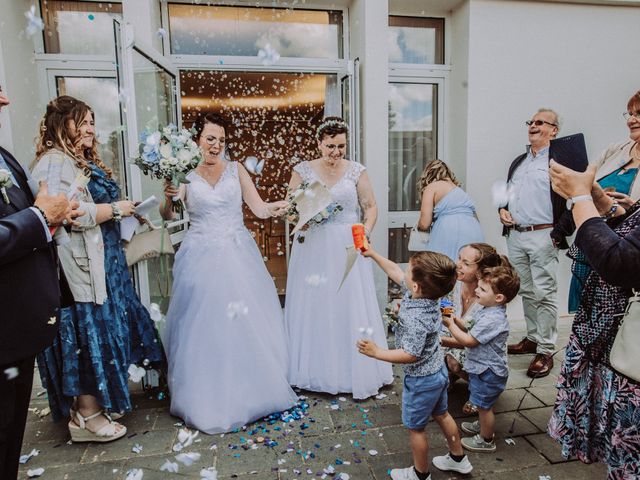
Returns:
<point x="523" y="346"/>
<point x="540" y="366"/>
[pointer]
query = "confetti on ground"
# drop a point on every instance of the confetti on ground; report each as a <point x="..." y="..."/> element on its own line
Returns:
<point x="188" y="459"/>
<point x="35" y="473"/>
<point x="544" y="477"/>
<point x="169" y="466"/>
<point x="509" y="441"/>
<point x="373" y="453"/>
<point x="29" y="456"/>
<point x="134" y="474"/>
<point x="208" y="474"/>
<point x="137" y="448"/>
<point x="380" y="396"/>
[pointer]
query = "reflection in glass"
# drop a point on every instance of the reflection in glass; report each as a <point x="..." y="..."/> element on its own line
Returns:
<point x="101" y="94"/>
<point x="243" y="31"/>
<point x="155" y="107"/>
<point x="416" y="40"/>
<point x="273" y="117"/>
<point x="398" y="243"/>
<point x="413" y="120"/>
<point x="75" y="27"/>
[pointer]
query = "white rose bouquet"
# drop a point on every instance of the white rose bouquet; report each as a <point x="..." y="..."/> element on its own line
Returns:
<point x="168" y="154"/>
<point x="5" y="182"/>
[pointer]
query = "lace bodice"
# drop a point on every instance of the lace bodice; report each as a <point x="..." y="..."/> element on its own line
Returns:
<point x="215" y="212"/>
<point x="343" y="191"/>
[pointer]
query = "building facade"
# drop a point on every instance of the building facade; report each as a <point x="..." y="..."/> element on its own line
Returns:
<point x="416" y="79"/>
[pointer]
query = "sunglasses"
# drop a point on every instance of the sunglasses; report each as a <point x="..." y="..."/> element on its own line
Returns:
<point x="539" y="123"/>
<point x="629" y="115"/>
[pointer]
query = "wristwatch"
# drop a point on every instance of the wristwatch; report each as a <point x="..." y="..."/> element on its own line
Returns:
<point x="573" y="200"/>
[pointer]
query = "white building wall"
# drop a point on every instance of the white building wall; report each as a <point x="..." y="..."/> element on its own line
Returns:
<point x="18" y="76"/>
<point x="578" y="59"/>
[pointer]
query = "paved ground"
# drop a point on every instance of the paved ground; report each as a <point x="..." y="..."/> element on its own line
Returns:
<point x="361" y="439"/>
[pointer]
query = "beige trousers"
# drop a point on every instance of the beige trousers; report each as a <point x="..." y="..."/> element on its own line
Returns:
<point x="536" y="261"/>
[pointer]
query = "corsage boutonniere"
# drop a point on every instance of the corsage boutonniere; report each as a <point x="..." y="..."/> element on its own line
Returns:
<point x="5" y="182"/>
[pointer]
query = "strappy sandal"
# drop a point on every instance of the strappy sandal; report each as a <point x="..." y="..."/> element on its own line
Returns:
<point x="469" y="408"/>
<point x="108" y="432"/>
<point x="112" y="415"/>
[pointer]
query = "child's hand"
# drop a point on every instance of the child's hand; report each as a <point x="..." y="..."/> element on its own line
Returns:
<point x="447" y="321"/>
<point x="369" y="252"/>
<point x="368" y="348"/>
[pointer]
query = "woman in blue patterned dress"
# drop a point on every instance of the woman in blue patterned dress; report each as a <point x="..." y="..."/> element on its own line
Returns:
<point x="85" y="371"/>
<point x="597" y="411"/>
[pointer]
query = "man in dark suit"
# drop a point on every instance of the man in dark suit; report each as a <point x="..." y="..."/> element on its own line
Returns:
<point x="29" y="296"/>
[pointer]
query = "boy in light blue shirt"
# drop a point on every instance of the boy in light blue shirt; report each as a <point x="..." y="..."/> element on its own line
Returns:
<point x="486" y="345"/>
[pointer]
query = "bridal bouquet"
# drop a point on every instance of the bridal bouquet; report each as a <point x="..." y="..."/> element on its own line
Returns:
<point x="303" y="197"/>
<point x="168" y="154"/>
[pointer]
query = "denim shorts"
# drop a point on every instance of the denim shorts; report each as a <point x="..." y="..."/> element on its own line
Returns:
<point x="485" y="388"/>
<point x="423" y="397"/>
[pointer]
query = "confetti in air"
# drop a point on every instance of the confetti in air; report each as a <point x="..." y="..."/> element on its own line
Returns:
<point x="500" y="193"/>
<point x="253" y="165"/>
<point x="234" y="309"/>
<point x="136" y="373"/>
<point x="34" y="22"/>
<point x="268" y="55"/>
<point x="11" y="373"/>
<point x="162" y="33"/>
<point x="315" y="280"/>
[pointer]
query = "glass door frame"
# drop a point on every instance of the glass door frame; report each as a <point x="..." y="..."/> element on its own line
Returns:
<point x="126" y="44"/>
<point x="407" y="219"/>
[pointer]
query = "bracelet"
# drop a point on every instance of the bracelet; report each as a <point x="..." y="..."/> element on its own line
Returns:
<point x="612" y="211"/>
<point x="46" y="220"/>
<point x="117" y="212"/>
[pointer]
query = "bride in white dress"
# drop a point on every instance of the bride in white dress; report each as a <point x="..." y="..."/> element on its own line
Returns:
<point x="224" y="336"/>
<point x="322" y="323"/>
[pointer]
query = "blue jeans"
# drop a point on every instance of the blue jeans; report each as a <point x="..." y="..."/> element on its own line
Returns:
<point x="485" y="388"/>
<point x="423" y="397"/>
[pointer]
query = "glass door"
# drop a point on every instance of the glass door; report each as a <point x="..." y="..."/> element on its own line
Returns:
<point x="415" y="138"/>
<point x="147" y="92"/>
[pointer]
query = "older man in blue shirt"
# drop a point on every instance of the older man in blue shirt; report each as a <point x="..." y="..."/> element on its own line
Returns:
<point x="528" y="222"/>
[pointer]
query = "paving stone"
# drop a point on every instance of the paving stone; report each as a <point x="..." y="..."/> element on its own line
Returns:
<point x="381" y="464"/>
<point x="539" y="417"/>
<point x="547" y="446"/>
<point x="546" y="394"/>
<point x="521" y="426"/>
<point x="45" y="430"/>
<point x="152" y="463"/>
<point x="351" y="445"/>
<point x="355" y="418"/>
<point x="156" y="442"/>
<point x="510" y="400"/>
<point x="55" y="453"/>
<point x="562" y="471"/>
<point x="254" y="476"/>
<point x="107" y="470"/>
<point x="141" y="421"/>
<point x="229" y="462"/>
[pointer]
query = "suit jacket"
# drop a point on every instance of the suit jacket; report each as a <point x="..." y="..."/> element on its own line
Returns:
<point x="558" y="207"/>
<point x="29" y="282"/>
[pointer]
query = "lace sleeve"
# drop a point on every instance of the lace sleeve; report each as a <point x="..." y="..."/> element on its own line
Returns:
<point x="355" y="171"/>
<point x="304" y="170"/>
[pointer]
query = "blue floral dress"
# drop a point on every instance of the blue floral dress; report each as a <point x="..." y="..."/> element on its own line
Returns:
<point x="597" y="411"/>
<point x="96" y="343"/>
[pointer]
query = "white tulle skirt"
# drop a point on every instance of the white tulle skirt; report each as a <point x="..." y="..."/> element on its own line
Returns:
<point x="323" y="324"/>
<point x="224" y="338"/>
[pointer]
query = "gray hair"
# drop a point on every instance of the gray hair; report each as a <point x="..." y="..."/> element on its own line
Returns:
<point x="558" y="121"/>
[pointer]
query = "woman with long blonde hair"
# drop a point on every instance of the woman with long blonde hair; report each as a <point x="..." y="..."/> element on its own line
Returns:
<point x="85" y="371"/>
<point x="447" y="210"/>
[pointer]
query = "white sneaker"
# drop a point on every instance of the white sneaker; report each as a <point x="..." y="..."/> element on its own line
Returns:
<point x="448" y="464"/>
<point x="405" y="474"/>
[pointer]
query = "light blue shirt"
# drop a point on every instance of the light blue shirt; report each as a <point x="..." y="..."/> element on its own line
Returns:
<point x="530" y="197"/>
<point x="491" y="329"/>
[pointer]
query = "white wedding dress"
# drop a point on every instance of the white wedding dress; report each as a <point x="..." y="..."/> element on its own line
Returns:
<point x="224" y="340"/>
<point x="322" y="323"/>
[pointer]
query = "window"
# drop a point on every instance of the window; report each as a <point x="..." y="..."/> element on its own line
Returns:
<point x="244" y="31"/>
<point x="416" y="40"/>
<point x="413" y="140"/>
<point x="79" y="28"/>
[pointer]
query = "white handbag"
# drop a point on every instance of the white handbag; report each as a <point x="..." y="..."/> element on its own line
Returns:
<point x="418" y="239"/>
<point x="626" y="347"/>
